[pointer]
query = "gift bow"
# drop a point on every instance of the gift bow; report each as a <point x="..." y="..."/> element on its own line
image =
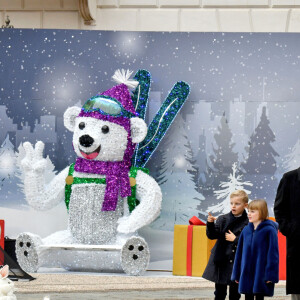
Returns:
<point x="193" y="221"/>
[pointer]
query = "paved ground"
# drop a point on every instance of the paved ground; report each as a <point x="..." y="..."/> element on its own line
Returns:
<point x="203" y="294"/>
<point x="91" y="286"/>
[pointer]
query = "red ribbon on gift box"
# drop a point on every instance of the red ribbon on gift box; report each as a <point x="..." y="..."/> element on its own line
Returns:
<point x="282" y="253"/>
<point x="193" y="221"/>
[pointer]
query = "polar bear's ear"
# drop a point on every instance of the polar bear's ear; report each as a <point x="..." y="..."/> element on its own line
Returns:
<point x="138" y="130"/>
<point x="70" y="116"/>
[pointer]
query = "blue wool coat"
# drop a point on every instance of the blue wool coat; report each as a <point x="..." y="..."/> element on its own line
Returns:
<point x="257" y="259"/>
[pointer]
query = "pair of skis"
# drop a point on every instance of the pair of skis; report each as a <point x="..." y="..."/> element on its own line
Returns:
<point x="163" y="118"/>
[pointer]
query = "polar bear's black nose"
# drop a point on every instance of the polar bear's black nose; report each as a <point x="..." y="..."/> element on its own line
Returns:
<point x="86" y="140"/>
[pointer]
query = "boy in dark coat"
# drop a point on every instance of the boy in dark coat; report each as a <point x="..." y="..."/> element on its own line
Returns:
<point x="227" y="230"/>
<point x="256" y="265"/>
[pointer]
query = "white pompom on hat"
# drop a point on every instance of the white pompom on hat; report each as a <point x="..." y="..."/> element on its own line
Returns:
<point x="121" y="91"/>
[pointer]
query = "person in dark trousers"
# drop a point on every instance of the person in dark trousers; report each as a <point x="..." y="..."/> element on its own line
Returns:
<point x="226" y="230"/>
<point x="287" y="214"/>
<point x="256" y="265"/>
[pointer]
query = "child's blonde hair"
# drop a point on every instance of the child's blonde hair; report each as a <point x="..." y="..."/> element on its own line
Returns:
<point x="261" y="206"/>
<point x="240" y="193"/>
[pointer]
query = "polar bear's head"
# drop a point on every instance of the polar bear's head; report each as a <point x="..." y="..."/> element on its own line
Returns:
<point x="102" y="136"/>
<point x="107" y="127"/>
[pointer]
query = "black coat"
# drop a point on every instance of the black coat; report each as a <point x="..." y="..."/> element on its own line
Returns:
<point x="287" y="214"/>
<point x="219" y="267"/>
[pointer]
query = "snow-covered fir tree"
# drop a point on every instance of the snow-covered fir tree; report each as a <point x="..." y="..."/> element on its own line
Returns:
<point x="180" y="197"/>
<point x="223" y="156"/>
<point x="193" y="170"/>
<point x="234" y="183"/>
<point x="201" y="162"/>
<point x="158" y="161"/>
<point x="7" y="159"/>
<point x="219" y="164"/>
<point x="261" y="166"/>
<point x="19" y="174"/>
<point x="261" y="153"/>
<point x="9" y="180"/>
<point x="292" y="159"/>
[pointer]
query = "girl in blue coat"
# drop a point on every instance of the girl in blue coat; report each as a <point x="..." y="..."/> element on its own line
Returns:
<point x="256" y="265"/>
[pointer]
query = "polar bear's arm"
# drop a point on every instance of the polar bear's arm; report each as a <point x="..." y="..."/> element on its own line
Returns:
<point x="149" y="194"/>
<point x="41" y="196"/>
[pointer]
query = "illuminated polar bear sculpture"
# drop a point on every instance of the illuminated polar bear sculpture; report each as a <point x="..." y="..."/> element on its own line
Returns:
<point x="102" y="229"/>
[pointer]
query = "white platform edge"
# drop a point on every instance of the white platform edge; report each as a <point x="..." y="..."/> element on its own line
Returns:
<point x="82" y="247"/>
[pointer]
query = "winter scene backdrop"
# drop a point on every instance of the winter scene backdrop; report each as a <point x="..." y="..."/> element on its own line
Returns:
<point x="237" y="130"/>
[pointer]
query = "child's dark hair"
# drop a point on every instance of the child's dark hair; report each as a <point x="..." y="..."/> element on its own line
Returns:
<point x="261" y="206"/>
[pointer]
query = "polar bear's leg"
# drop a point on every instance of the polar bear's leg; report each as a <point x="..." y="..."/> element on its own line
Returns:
<point x="135" y="256"/>
<point x="27" y="251"/>
<point x="30" y="254"/>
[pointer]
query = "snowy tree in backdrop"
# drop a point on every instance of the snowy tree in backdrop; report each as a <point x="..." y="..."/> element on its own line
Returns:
<point x="260" y="167"/>
<point x="219" y="164"/>
<point x="19" y="174"/>
<point x="292" y="159"/>
<point x="201" y="162"/>
<point x="7" y="159"/>
<point x="9" y="182"/>
<point x="235" y="183"/>
<point x="180" y="197"/>
<point x="158" y="162"/>
<point x="224" y="156"/>
<point x="261" y="154"/>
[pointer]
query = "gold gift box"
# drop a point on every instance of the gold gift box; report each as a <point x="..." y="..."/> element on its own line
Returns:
<point x="199" y="247"/>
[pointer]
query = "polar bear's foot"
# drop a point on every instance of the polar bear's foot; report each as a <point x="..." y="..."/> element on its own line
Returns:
<point x="135" y="256"/>
<point x="27" y="245"/>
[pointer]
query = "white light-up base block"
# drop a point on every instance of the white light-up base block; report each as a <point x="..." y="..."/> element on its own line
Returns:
<point x="132" y="257"/>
